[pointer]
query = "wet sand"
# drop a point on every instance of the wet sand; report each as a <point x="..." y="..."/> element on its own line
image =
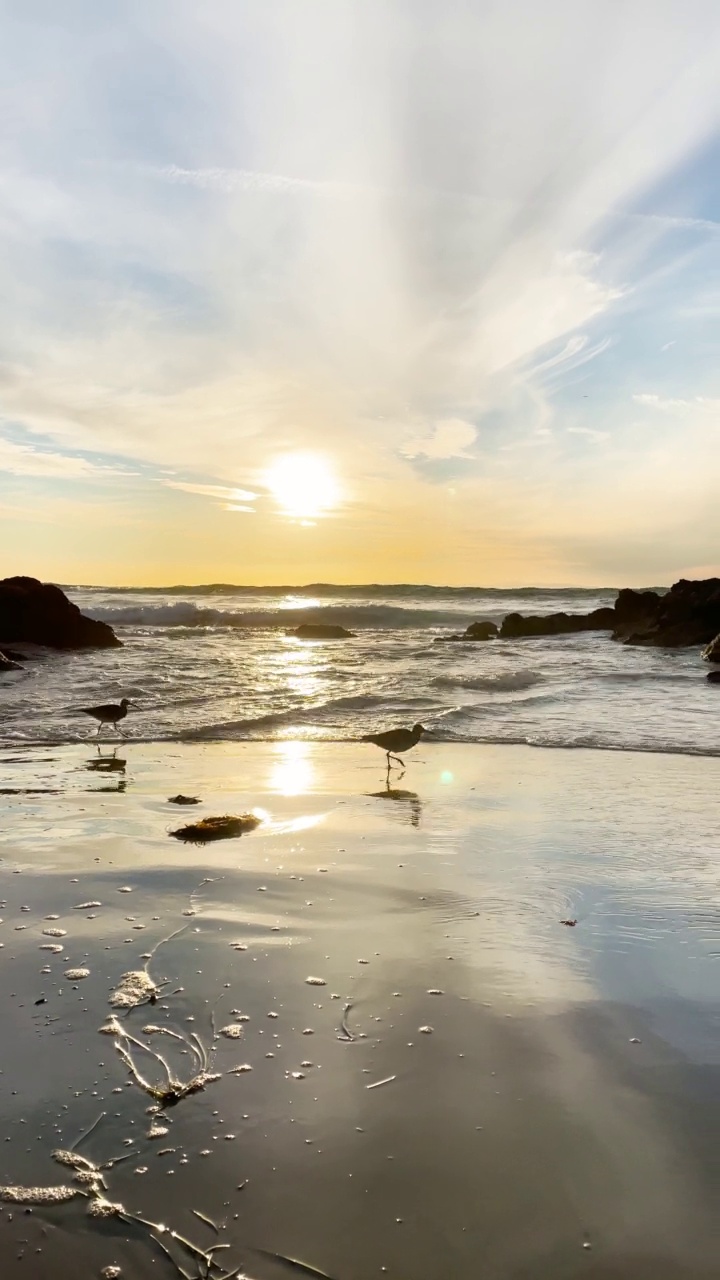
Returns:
<point x="550" y="1099"/>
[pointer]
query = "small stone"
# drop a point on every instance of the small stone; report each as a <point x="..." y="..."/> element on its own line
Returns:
<point x="316" y="982"/>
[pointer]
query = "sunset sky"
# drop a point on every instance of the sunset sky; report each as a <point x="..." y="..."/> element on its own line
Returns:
<point x="360" y="290"/>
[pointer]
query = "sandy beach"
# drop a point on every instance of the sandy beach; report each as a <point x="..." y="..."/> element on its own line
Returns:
<point x="472" y="1089"/>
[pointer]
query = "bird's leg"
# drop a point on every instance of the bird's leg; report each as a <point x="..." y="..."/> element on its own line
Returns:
<point x="99" y="727"/>
<point x="400" y="762"/>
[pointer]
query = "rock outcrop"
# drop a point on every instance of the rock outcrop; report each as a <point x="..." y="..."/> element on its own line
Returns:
<point x="40" y="613"/>
<point x="480" y="631"/>
<point x="688" y="614"/>
<point x="516" y="626"/>
<point x="712" y="652"/>
<point x="321" y="631"/>
<point x="477" y="631"/>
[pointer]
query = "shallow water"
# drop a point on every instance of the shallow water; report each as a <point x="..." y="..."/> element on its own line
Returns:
<point x="566" y="1092"/>
<point x="214" y="664"/>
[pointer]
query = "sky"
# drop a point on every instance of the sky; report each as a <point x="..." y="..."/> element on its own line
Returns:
<point x="360" y="290"/>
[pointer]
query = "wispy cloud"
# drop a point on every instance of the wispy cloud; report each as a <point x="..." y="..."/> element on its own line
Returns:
<point x="450" y="438"/>
<point x="226" y="492"/>
<point x="307" y="244"/>
<point x="27" y="460"/>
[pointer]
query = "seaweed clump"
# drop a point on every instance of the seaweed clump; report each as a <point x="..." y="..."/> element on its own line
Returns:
<point x="225" y="827"/>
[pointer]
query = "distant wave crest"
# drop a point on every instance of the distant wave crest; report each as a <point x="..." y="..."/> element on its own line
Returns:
<point x="184" y="613"/>
<point x="503" y="682"/>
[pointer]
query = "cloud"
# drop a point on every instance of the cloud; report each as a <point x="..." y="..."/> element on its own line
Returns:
<point x="27" y="460"/>
<point x="212" y="491"/>
<point x="305" y="246"/>
<point x="589" y="433"/>
<point x="449" y="439"/>
<point x="665" y="404"/>
<point x="242" y="180"/>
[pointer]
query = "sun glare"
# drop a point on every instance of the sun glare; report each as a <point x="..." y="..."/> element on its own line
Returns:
<point x="303" y="485"/>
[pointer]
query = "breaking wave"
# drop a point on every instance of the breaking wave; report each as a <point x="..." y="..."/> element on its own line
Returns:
<point x="184" y="613"/>
<point x="503" y="682"/>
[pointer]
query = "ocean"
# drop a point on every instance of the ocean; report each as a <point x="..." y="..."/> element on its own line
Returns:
<point x="214" y="663"/>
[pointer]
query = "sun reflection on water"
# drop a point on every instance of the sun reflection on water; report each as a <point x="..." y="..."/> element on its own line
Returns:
<point x="293" y="771"/>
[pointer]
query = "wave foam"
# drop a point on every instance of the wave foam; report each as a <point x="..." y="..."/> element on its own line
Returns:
<point x="503" y="682"/>
<point x="184" y="613"/>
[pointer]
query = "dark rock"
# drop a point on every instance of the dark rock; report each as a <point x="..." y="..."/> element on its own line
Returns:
<point x="7" y="663"/>
<point x="480" y="631"/>
<point x="713" y="677"/>
<point x="321" y="631"/>
<point x="712" y="652"/>
<point x="14" y="656"/>
<point x="688" y="614"/>
<point x="516" y="626"/>
<point x="635" y="610"/>
<point x="41" y="613"/>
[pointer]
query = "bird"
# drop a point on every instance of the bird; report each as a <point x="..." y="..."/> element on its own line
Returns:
<point x="395" y="740"/>
<point x="109" y="713"/>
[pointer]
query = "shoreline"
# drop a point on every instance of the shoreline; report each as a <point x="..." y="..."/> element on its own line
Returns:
<point x="554" y="1122"/>
<point x="19" y="744"/>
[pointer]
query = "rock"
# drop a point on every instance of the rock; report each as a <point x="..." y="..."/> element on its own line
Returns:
<point x="712" y="652"/>
<point x="320" y="631"/>
<point x="688" y="614"/>
<point x="480" y="631"/>
<point x="635" y="610"/>
<point x="7" y="663"/>
<point x="476" y="631"/>
<point x="713" y="677"/>
<point x="515" y="626"/>
<point x="40" y="613"/>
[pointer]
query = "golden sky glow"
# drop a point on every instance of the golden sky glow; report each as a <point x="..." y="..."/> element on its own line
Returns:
<point x="361" y="292"/>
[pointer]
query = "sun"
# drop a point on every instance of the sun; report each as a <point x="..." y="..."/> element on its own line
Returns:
<point x="303" y="485"/>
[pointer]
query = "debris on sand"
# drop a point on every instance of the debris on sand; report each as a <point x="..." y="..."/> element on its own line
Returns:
<point x="38" y="1195"/>
<point x="72" y="1160"/>
<point x="233" y="1031"/>
<point x="99" y="1207"/>
<point x="86" y="906"/>
<point x="222" y="828"/>
<point x="376" y="1084"/>
<point x="570" y="923"/>
<point x="316" y="982"/>
<point x="75" y="975"/>
<point x="111" y="1027"/>
<point x="181" y="799"/>
<point x="111" y="1273"/>
<point x="55" y="933"/>
<point x="134" y="988"/>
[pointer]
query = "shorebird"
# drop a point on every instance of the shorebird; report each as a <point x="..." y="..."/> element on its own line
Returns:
<point x="110" y="713"/>
<point x="396" y="740"/>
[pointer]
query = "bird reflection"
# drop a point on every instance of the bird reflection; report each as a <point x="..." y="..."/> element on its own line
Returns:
<point x="109" y="762"/>
<point x="412" y="812"/>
